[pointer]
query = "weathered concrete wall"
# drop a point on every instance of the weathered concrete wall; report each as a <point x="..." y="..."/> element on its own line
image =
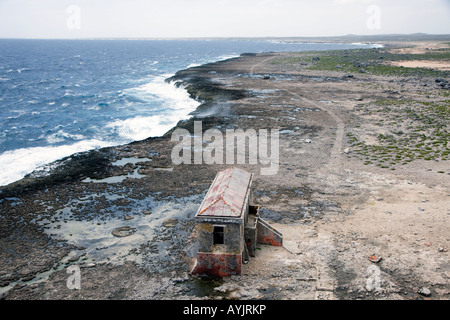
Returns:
<point x="251" y="230"/>
<point x="232" y="238"/>
<point x="251" y="240"/>
<point x="220" y="259"/>
<point x="266" y="234"/>
<point x="245" y="210"/>
<point x="220" y="265"/>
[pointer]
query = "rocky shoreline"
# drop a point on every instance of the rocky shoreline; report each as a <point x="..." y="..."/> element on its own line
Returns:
<point x="343" y="192"/>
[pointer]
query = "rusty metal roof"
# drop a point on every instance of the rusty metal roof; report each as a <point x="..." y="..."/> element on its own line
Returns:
<point x="226" y="196"/>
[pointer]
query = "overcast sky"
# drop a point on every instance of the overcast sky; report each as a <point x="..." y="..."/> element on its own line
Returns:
<point x="219" y="18"/>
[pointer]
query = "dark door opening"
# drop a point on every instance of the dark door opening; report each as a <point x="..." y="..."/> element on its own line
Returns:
<point x="219" y="234"/>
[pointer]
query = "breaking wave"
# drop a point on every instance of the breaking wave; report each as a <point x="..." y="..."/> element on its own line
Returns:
<point x="174" y="104"/>
<point x="17" y="163"/>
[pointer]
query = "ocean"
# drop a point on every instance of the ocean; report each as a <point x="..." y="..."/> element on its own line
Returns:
<point x="60" y="97"/>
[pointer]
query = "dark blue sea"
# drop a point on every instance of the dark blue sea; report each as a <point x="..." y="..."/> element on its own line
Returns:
<point x="59" y="97"/>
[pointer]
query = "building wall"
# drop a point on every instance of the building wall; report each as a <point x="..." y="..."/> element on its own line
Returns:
<point x="251" y="240"/>
<point x="266" y="234"/>
<point x="219" y="260"/>
<point x="216" y="264"/>
<point x="233" y="237"/>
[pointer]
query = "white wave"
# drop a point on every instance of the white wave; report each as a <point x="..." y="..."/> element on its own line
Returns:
<point x="17" y="163"/>
<point x="230" y="56"/>
<point x="370" y="45"/>
<point x="171" y="96"/>
<point x="20" y="70"/>
<point x="139" y="128"/>
<point x="60" y="136"/>
<point x="175" y="103"/>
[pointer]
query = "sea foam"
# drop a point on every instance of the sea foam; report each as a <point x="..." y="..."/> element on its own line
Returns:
<point x="17" y="163"/>
<point x="175" y="102"/>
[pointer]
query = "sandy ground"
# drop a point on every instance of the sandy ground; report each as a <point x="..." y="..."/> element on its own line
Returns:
<point x="438" y="65"/>
<point x="422" y="48"/>
<point x="419" y="47"/>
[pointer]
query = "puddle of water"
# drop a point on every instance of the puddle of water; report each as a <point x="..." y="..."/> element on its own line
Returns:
<point x="204" y="286"/>
<point x="118" y="179"/>
<point x="163" y="169"/>
<point x="94" y="232"/>
<point x="133" y="161"/>
<point x="95" y="235"/>
<point x="281" y="105"/>
<point x="43" y="276"/>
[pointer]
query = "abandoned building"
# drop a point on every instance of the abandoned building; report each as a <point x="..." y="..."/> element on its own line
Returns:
<point x="229" y="228"/>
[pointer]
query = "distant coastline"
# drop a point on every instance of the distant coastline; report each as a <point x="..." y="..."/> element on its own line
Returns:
<point x="298" y="39"/>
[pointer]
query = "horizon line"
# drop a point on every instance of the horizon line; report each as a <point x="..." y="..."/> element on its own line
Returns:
<point x="238" y="37"/>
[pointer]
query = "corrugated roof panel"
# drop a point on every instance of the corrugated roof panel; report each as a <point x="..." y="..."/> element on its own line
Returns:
<point x="226" y="196"/>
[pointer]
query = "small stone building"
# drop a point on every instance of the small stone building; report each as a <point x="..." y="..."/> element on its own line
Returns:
<point x="229" y="227"/>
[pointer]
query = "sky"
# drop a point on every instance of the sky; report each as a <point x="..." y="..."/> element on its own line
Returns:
<point x="219" y="18"/>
